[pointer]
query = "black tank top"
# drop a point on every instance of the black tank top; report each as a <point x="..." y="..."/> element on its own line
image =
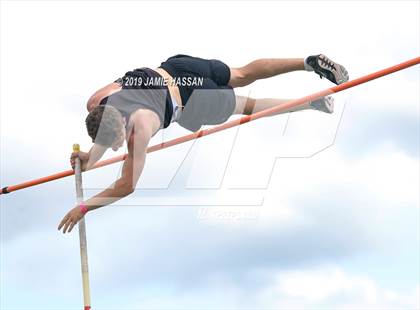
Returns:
<point x="142" y="89"/>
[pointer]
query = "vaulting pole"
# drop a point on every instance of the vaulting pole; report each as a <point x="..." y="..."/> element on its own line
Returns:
<point x="230" y="124"/>
<point x="82" y="232"/>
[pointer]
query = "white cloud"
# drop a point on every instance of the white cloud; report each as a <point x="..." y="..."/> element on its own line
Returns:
<point x="327" y="287"/>
<point x="333" y="288"/>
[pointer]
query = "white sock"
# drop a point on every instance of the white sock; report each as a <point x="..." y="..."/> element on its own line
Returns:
<point x="307" y="67"/>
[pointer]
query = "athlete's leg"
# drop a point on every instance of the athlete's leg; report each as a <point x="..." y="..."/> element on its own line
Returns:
<point x="247" y="105"/>
<point x="265" y="68"/>
<point x="262" y="69"/>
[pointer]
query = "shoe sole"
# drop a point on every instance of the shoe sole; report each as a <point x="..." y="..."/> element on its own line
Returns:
<point x="327" y="106"/>
<point x="340" y="75"/>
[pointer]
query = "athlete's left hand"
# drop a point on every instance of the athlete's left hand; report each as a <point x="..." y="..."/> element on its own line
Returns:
<point x="71" y="219"/>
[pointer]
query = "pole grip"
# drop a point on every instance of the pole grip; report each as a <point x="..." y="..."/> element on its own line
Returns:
<point x="76" y="147"/>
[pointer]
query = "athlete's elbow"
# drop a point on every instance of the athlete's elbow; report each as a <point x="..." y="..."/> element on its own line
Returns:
<point x="126" y="188"/>
<point x="92" y="102"/>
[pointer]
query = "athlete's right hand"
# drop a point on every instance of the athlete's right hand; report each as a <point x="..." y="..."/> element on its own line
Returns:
<point x="84" y="158"/>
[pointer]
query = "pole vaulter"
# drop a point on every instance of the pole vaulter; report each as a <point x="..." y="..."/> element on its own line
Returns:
<point x="245" y="119"/>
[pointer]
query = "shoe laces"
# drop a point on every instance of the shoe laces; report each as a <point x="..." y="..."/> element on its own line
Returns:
<point x="328" y="63"/>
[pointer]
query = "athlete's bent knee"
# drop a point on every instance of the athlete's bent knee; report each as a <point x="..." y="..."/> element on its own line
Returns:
<point x="238" y="77"/>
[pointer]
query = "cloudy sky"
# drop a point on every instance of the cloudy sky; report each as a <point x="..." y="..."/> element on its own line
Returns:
<point x="298" y="211"/>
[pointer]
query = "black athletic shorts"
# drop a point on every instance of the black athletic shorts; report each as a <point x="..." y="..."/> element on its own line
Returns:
<point x="203" y="85"/>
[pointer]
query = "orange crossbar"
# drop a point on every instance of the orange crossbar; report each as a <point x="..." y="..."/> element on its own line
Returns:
<point x="230" y="124"/>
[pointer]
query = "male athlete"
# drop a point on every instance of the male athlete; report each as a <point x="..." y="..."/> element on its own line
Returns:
<point x="188" y="90"/>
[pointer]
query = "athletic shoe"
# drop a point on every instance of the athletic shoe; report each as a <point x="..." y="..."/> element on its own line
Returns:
<point x="325" y="104"/>
<point x="327" y="68"/>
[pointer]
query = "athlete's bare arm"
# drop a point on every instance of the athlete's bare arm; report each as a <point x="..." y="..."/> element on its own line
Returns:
<point x="105" y="91"/>
<point x="143" y="129"/>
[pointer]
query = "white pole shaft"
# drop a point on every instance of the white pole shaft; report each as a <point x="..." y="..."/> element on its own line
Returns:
<point x="82" y="238"/>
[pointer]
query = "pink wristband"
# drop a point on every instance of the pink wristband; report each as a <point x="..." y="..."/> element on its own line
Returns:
<point x="83" y="208"/>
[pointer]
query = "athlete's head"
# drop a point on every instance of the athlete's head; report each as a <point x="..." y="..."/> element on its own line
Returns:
<point x="106" y="126"/>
